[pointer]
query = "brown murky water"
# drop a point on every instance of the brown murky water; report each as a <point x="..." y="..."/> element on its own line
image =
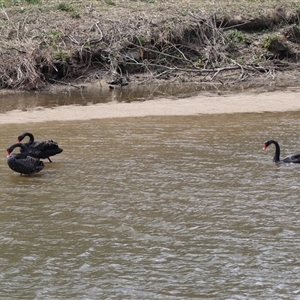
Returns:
<point x="95" y="95"/>
<point x="154" y="208"/>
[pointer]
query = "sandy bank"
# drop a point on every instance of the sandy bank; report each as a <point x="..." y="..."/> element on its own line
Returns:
<point x="265" y="102"/>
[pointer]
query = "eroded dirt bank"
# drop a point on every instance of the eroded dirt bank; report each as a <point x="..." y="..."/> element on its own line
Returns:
<point x="50" y="42"/>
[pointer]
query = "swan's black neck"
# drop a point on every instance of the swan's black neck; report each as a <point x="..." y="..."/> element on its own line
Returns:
<point x="22" y="146"/>
<point x="276" y="157"/>
<point x="30" y="135"/>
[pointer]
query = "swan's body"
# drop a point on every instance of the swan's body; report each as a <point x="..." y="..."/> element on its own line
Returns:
<point x="294" y="158"/>
<point x="22" y="162"/>
<point x="40" y="149"/>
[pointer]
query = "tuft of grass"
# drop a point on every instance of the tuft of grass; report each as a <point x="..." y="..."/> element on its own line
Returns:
<point x="60" y="55"/>
<point x="269" y="40"/>
<point x="55" y="34"/>
<point x="75" y="15"/>
<point x="65" y="7"/>
<point x="141" y="40"/>
<point x="236" y="37"/>
<point x="110" y="2"/>
<point x="32" y="1"/>
<point x="69" y="8"/>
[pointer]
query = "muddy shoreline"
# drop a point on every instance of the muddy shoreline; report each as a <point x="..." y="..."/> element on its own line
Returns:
<point x="278" y="101"/>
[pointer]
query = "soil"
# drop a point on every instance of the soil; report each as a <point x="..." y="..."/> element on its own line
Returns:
<point x="48" y="44"/>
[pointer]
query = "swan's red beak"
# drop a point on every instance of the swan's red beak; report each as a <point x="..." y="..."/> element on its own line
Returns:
<point x="265" y="146"/>
<point x="7" y="153"/>
<point x="19" y="141"/>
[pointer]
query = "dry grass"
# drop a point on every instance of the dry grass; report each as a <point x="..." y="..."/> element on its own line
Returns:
<point x="54" y="41"/>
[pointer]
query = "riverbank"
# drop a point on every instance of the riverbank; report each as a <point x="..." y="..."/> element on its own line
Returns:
<point x="234" y="103"/>
<point x="124" y="42"/>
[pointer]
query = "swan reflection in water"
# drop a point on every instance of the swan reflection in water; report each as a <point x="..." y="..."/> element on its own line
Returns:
<point x="40" y="149"/>
<point x="21" y="162"/>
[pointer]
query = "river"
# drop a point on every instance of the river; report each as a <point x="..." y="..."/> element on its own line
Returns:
<point x="154" y="207"/>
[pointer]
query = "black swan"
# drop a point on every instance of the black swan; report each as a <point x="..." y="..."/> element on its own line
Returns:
<point x="40" y="149"/>
<point x="294" y="158"/>
<point x="22" y="162"/>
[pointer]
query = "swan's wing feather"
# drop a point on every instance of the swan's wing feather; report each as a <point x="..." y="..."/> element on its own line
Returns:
<point x="44" y="149"/>
<point x="28" y="165"/>
<point x="294" y="158"/>
<point x="44" y="145"/>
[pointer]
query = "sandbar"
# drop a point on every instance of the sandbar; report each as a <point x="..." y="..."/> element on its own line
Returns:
<point x="278" y="101"/>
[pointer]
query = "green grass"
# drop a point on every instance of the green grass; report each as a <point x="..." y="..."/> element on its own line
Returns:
<point x="65" y="7"/>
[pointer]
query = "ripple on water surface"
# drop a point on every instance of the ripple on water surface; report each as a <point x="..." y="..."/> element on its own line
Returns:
<point x="154" y="208"/>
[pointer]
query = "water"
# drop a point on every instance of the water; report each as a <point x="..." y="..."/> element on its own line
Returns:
<point x="154" y="208"/>
<point x="130" y="93"/>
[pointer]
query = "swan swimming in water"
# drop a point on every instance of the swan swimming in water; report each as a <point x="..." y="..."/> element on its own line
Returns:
<point x="21" y="162"/>
<point x="40" y="149"/>
<point x="294" y="158"/>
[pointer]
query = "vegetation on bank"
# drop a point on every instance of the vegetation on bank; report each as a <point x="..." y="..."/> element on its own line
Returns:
<point x="44" y="42"/>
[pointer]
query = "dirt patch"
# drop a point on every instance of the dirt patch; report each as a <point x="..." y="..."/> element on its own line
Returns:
<point x="120" y="42"/>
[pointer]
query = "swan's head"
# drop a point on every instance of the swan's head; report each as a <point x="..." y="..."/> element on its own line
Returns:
<point x="265" y="146"/>
<point x="20" y="138"/>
